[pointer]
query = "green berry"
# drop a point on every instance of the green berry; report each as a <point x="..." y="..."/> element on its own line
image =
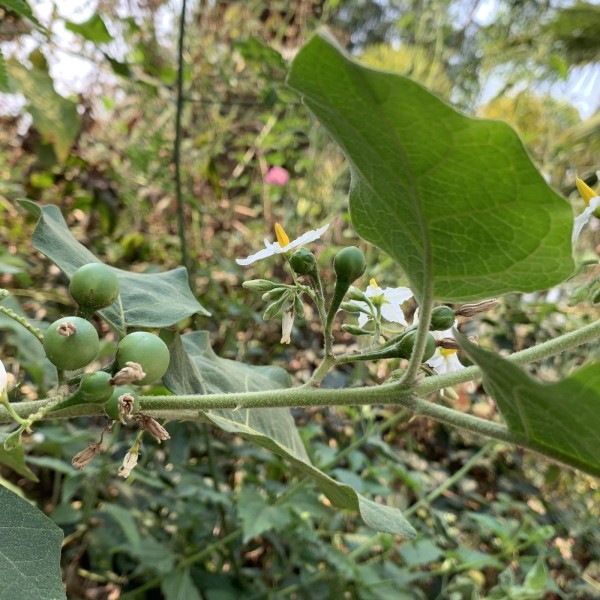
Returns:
<point x="146" y="349"/>
<point x="349" y="264"/>
<point x="442" y="318"/>
<point x="94" y="286"/>
<point x="75" y="351"/>
<point x="95" y="387"/>
<point x="303" y="261"/>
<point x="407" y="343"/>
<point x="111" y="408"/>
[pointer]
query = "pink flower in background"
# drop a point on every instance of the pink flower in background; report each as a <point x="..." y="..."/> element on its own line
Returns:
<point x="277" y="176"/>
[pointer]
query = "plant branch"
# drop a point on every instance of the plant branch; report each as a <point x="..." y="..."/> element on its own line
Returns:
<point x="185" y="259"/>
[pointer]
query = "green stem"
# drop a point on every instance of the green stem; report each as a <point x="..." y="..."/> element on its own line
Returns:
<point x="23" y="322"/>
<point x="185" y="259"/>
<point x="416" y="358"/>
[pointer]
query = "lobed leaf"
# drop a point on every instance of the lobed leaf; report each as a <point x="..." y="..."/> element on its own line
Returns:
<point x="455" y="201"/>
<point x="196" y="369"/>
<point x="145" y="299"/>
<point x="562" y="418"/>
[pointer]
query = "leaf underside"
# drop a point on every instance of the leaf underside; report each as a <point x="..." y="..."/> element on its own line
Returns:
<point x="562" y="418"/>
<point x="196" y="369"/>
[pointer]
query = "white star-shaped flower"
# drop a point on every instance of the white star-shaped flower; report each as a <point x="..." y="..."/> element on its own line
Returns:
<point x="593" y="204"/>
<point x="283" y="244"/>
<point x="391" y="300"/>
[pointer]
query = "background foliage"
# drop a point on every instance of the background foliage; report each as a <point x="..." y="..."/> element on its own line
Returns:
<point x="209" y="515"/>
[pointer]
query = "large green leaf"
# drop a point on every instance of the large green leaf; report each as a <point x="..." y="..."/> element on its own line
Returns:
<point x="29" y="552"/>
<point x="196" y="369"/>
<point x="455" y="201"/>
<point x="562" y="419"/>
<point x="54" y="116"/>
<point x="145" y="300"/>
<point x="15" y="459"/>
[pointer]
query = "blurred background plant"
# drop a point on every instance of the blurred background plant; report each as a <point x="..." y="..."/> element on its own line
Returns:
<point x="88" y="123"/>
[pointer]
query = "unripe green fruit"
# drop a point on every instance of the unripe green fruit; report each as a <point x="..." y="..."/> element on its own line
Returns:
<point x="94" y="286"/>
<point x="442" y="318"/>
<point x="349" y="264"/>
<point x="303" y="261"/>
<point x="407" y="343"/>
<point x="95" y="387"/>
<point x="146" y="349"/>
<point x="73" y="351"/>
<point x="111" y="408"/>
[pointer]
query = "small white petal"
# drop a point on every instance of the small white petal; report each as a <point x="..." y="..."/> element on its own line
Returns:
<point x="3" y="379"/>
<point x="584" y="217"/>
<point x="305" y="238"/>
<point x="271" y="249"/>
<point x="453" y="364"/>
<point x="437" y="362"/>
<point x="363" y="319"/>
<point x="397" y="295"/>
<point x="393" y="313"/>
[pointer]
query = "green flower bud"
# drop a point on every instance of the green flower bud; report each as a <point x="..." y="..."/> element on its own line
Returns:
<point x="349" y="264"/>
<point x="442" y="317"/>
<point x="276" y="307"/>
<point x="303" y="261"/>
<point x="351" y="307"/>
<point x="275" y="294"/>
<point x="356" y="294"/>
<point x="259" y="285"/>
<point x="355" y="330"/>
<point x="596" y="297"/>
<point x="298" y="306"/>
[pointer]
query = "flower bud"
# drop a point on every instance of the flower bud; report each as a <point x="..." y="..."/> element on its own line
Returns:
<point x="259" y="285"/>
<point x="349" y="264"/>
<point x="303" y="261"/>
<point x="274" y="294"/>
<point x="355" y="293"/>
<point x="442" y="318"/>
<point x="351" y="307"/>
<point x="352" y="329"/>
<point x="287" y="323"/>
<point x="276" y="307"/>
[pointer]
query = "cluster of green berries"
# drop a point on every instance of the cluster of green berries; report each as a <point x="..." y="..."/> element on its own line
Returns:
<point x="72" y="342"/>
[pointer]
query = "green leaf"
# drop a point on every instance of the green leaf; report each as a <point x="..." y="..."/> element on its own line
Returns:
<point x="258" y="516"/>
<point x="145" y="300"/>
<point x="178" y="585"/>
<point x="15" y="459"/>
<point x="94" y="29"/>
<point x="562" y="419"/>
<point x="455" y="201"/>
<point x="4" y="87"/>
<point x="420" y="552"/>
<point x="196" y="369"/>
<point x="30" y="552"/>
<point x="54" y="116"/>
<point x="21" y="7"/>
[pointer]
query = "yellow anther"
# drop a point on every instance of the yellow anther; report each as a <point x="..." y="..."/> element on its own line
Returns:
<point x="587" y="193"/>
<point x="282" y="237"/>
<point x="447" y="351"/>
<point x="373" y="283"/>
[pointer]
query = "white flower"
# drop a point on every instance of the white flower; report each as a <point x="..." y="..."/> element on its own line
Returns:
<point x="283" y="244"/>
<point x="593" y="204"/>
<point x="445" y="361"/>
<point x="390" y="299"/>
<point x="3" y="380"/>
